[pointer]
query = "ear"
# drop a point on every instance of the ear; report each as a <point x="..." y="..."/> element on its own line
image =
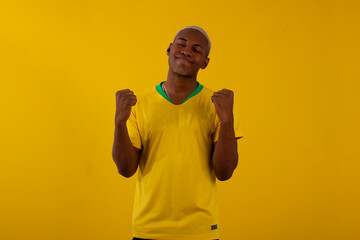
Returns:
<point x="205" y="63"/>
<point x="168" y="49"/>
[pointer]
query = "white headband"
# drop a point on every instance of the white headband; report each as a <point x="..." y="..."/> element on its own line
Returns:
<point x="200" y="30"/>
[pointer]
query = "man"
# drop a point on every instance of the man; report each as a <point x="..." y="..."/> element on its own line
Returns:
<point x="181" y="136"/>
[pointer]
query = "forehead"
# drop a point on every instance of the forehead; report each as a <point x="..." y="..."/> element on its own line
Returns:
<point x="192" y="35"/>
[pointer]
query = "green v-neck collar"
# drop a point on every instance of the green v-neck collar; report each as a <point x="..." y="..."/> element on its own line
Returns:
<point x="162" y="93"/>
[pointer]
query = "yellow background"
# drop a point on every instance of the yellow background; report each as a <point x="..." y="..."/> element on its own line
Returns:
<point x="294" y="68"/>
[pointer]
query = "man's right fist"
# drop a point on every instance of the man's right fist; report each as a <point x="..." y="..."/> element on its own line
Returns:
<point x="125" y="99"/>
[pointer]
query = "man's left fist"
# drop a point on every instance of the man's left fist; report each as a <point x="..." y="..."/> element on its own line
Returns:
<point x="223" y="101"/>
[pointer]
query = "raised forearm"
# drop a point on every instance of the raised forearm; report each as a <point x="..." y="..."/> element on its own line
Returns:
<point x="225" y="156"/>
<point x="123" y="152"/>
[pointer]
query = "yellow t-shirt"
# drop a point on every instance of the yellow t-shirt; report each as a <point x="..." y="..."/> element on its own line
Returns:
<point x="176" y="195"/>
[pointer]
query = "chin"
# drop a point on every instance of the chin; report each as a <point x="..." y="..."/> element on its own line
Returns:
<point x="182" y="72"/>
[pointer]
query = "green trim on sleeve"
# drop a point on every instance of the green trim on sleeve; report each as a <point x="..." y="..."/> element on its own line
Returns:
<point x="162" y="93"/>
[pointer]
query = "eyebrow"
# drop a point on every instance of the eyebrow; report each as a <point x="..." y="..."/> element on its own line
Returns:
<point x="194" y="44"/>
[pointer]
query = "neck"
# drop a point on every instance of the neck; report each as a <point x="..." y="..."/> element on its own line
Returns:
<point x="180" y="85"/>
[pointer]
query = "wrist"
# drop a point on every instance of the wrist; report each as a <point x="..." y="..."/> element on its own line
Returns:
<point x="229" y="119"/>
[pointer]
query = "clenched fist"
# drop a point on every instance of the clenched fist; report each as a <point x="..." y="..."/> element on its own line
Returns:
<point x="224" y="101"/>
<point x="125" y="99"/>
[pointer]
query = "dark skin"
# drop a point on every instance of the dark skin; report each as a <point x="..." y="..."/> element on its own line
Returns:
<point x="187" y="55"/>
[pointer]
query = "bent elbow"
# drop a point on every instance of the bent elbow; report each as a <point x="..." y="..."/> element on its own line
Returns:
<point x="126" y="174"/>
<point x="224" y="177"/>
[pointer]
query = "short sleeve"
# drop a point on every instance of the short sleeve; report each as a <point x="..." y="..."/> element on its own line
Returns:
<point x="133" y="129"/>
<point x="237" y="128"/>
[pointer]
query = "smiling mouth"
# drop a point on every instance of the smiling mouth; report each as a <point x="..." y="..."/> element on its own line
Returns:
<point x="184" y="59"/>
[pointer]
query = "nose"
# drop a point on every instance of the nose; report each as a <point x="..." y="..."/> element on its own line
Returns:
<point x="186" y="51"/>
